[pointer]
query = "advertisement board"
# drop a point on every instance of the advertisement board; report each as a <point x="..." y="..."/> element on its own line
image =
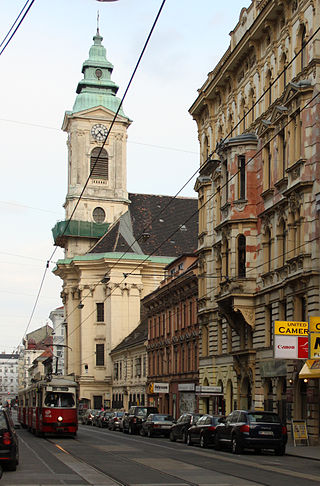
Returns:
<point x="291" y="340"/>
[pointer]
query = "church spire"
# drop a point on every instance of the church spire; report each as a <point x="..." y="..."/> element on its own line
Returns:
<point x="96" y="88"/>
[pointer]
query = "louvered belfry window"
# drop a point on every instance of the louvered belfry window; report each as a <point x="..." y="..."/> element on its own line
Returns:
<point x="99" y="165"/>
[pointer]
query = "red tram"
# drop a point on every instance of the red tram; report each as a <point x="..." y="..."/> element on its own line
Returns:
<point x="49" y="407"/>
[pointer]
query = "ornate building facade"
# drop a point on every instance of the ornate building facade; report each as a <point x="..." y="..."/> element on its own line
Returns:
<point x="258" y="124"/>
<point x="116" y="244"/>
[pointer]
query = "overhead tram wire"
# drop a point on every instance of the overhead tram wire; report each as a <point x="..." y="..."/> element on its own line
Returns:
<point x="103" y="144"/>
<point x="114" y="119"/>
<point x="209" y="157"/>
<point x="190" y="217"/>
<point x="14" y="23"/>
<point x="17" y="27"/>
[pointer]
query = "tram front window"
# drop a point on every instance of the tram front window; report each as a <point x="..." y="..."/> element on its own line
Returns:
<point x="59" y="400"/>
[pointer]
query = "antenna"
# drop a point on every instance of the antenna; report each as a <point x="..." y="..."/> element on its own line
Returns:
<point x="98" y="17"/>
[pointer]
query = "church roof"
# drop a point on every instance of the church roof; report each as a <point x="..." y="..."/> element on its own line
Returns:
<point x="154" y="225"/>
<point x="96" y="88"/>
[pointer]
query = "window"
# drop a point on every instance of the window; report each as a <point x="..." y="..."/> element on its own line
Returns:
<point x="268" y="324"/>
<point x="99" y="215"/>
<point x="303" y="47"/>
<point x="283" y="153"/>
<point x="100" y="311"/>
<point x="190" y="313"/>
<point x="99" y="164"/>
<point x="241" y="177"/>
<point x="241" y="256"/>
<point x="99" y="354"/>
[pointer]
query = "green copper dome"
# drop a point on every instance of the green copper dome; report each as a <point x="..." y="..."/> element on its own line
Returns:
<point x="97" y="88"/>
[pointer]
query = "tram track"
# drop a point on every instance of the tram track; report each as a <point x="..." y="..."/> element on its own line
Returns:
<point x="118" y="481"/>
<point x="181" y="481"/>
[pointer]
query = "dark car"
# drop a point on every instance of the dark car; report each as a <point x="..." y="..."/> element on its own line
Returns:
<point x="180" y="428"/>
<point x="251" y="430"/>
<point x="103" y="419"/>
<point x="96" y="417"/>
<point x="136" y="415"/>
<point x="157" y="424"/>
<point x="114" y="420"/>
<point x="87" y="417"/>
<point x="203" y="432"/>
<point x="9" y="446"/>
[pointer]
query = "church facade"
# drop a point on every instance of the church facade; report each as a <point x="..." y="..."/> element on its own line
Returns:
<point x="116" y="244"/>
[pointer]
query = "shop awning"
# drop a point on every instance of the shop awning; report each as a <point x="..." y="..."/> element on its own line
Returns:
<point x="311" y="369"/>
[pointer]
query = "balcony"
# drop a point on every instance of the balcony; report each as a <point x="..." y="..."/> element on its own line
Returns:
<point x="80" y="229"/>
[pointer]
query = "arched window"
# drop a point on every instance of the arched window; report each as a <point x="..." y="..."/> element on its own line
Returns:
<point x="241" y="256"/>
<point x="99" y="164"/>
<point x="282" y="244"/>
<point x="283" y="69"/>
<point x="268" y="86"/>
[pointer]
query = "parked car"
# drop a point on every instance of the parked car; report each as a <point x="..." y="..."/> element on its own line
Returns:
<point x="103" y="419"/>
<point x="251" y="430"/>
<point x="9" y="445"/>
<point x="125" y="414"/>
<point x="136" y="415"/>
<point x="203" y="432"/>
<point x="114" y="420"/>
<point x="88" y="415"/>
<point x="180" y="428"/>
<point x="96" y="417"/>
<point x="157" y="424"/>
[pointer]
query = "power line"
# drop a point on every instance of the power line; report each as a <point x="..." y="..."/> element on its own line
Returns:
<point x="17" y="27"/>
<point x="188" y="219"/>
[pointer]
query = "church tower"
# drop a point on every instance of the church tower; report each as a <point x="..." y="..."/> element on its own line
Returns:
<point x="105" y="197"/>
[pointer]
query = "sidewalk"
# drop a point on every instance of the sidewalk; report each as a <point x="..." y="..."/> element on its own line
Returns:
<point x="309" y="452"/>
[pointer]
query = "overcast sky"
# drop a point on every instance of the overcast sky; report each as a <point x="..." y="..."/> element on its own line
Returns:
<point x="39" y="72"/>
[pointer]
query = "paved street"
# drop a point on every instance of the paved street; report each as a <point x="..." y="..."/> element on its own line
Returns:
<point x="102" y="457"/>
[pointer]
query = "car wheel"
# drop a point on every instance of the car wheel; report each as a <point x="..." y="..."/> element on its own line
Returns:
<point x="184" y="437"/>
<point x="280" y="451"/>
<point x="203" y="441"/>
<point x="235" y="445"/>
<point x="172" y="437"/>
<point x="12" y="465"/>
<point x="142" y="433"/>
<point x="189" y="441"/>
<point x="130" y="430"/>
<point x="149" y="433"/>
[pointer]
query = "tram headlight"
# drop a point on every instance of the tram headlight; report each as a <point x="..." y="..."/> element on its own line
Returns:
<point x="60" y="419"/>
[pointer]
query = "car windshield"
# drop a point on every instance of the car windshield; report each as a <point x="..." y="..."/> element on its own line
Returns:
<point x="142" y="411"/>
<point x="262" y="417"/>
<point x="162" y="418"/>
<point x="59" y="400"/>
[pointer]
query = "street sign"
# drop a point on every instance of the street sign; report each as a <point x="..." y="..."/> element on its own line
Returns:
<point x="161" y="388"/>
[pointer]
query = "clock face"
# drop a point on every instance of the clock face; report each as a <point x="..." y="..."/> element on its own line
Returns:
<point x="99" y="132"/>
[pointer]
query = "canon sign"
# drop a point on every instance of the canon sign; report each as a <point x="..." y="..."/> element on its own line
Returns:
<point x="281" y="346"/>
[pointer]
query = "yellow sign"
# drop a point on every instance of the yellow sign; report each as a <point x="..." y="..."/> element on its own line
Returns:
<point x="291" y="328"/>
<point x="314" y="345"/>
<point x="314" y="324"/>
<point x="299" y="429"/>
<point x="151" y="387"/>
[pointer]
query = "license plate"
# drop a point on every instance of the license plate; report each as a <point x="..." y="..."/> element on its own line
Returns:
<point x="166" y="426"/>
<point x="266" y="432"/>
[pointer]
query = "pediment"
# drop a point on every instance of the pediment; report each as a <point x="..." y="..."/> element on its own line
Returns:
<point x="278" y="112"/>
<point x="263" y="127"/>
<point x="98" y="112"/>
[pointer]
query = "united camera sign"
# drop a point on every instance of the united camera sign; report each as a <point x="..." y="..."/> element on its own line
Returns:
<point x="291" y="340"/>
